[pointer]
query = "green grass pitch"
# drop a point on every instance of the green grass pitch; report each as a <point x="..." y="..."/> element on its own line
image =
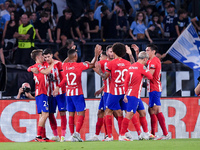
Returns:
<point x="172" y="144"/>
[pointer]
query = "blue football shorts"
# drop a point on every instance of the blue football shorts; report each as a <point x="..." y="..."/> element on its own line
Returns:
<point x="154" y="98"/>
<point x="75" y="103"/>
<point x="115" y="102"/>
<point x="42" y="103"/>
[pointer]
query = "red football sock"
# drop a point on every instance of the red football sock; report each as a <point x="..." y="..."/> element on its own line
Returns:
<point x="153" y="123"/>
<point x="109" y="125"/>
<point x="99" y="125"/>
<point x="143" y="122"/>
<point x="43" y="133"/>
<point x="71" y="124"/>
<point x="136" y="124"/>
<point x="104" y="121"/>
<point x="63" y="125"/>
<point x="125" y="123"/>
<point x="161" y="120"/>
<point x="119" y="119"/>
<point x="53" y="124"/>
<point x="79" y="123"/>
<point x="39" y="131"/>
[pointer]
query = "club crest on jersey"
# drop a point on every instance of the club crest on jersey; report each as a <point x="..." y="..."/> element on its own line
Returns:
<point x="144" y="67"/>
<point x="85" y="64"/>
<point x="39" y="66"/>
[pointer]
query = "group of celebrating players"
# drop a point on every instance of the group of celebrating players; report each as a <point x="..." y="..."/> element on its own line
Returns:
<point x="59" y="84"/>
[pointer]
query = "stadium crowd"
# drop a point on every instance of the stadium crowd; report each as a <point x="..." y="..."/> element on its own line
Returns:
<point x="111" y="19"/>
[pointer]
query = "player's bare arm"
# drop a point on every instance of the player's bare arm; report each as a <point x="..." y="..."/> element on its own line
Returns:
<point x="129" y="52"/>
<point x="97" y="93"/>
<point x="97" y="53"/>
<point x="136" y="49"/>
<point x="48" y="70"/>
<point x="104" y="75"/>
<point x="197" y="89"/>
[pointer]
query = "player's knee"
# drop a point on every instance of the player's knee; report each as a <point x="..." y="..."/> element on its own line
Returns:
<point x="100" y="114"/>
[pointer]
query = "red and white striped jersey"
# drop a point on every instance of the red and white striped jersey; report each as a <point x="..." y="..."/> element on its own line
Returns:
<point x="72" y="72"/>
<point x="55" y="77"/>
<point x="118" y="69"/>
<point x="107" y="81"/>
<point x="134" y="79"/>
<point x="155" y="83"/>
<point x="41" y="82"/>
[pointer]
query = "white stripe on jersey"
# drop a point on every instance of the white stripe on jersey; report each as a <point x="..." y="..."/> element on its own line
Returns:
<point x="60" y="91"/>
<point x="72" y="93"/>
<point x="140" y="89"/>
<point x="107" y="83"/>
<point x="129" y="91"/>
<point x="36" y="92"/>
<point x="76" y="91"/>
<point x="116" y="91"/>
<point x="68" y="92"/>
<point x="120" y="91"/>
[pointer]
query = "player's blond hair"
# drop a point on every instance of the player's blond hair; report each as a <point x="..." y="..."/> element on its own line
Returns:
<point x="143" y="55"/>
<point x="35" y="53"/>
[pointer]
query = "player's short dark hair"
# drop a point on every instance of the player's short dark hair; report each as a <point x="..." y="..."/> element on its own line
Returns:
<point x="71" y="51"/>
<point x="35" y="53"/>
<point x="47" y="51"/>
<point x="44" y="14"/>
<point x="119" y="49"/>
<point x="153" y="47"/>
<point x="104" y="53"/>
<point x="109" y="46"/>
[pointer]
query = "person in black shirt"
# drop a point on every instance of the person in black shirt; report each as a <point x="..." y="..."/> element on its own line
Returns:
<point x="42" y="27"/>
<point x="62" y="53"/>
<point x="64" y="27"/>
<point x="92" y="27"/>
<point x="181" y="21"/>
<point x="54" y="10"/>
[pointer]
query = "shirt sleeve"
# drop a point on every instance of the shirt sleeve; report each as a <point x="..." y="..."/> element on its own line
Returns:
<point x="147" y="73"/>
<point x="133" y="25"/>
<point x="84" y="66"/>
<point x="109" y="67"/>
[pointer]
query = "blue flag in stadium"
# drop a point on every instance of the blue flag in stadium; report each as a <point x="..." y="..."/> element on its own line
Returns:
<point x="186" y="48"/>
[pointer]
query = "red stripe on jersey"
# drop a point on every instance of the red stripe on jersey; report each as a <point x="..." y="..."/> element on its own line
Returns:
<point x="55" y="77"/>
<point x="155" y="84"/>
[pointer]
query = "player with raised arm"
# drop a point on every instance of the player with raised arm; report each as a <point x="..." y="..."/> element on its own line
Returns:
<point x="133" y="87"/>
<point x="116" y="69"/>
<point x="105" y="57"/>
<point x="155" y="88"/>
<point x="55" y="77"/>
<point x="41" y="85"/>
<point x="74" y="93"/>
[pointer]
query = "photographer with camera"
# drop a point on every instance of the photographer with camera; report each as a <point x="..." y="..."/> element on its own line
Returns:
<point x="197" y="89"/>
<point x="25" y="92"/>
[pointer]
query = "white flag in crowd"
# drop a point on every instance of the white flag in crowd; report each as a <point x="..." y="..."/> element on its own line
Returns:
<point x="186" y="48"/>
